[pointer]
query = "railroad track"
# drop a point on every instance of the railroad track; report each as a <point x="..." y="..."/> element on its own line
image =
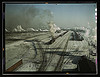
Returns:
<point x="44" y="60"/>
<point x="46" y="63"/>
<point x="52" y="56"/>
<point x="43" y="67"/>
<point x="60" y="62"/>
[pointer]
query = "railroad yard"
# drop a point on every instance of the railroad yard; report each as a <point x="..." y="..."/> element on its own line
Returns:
<point x="32" y="53"/>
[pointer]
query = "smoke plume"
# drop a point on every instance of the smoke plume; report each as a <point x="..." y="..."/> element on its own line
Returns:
<point x="27" y="16"/>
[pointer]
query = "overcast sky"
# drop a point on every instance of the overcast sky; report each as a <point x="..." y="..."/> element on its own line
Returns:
<point x="37" y="15"/>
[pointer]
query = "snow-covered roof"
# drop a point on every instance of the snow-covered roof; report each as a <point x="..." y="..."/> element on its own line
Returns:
<point x="6" y="30"/>
<point x="14" y="30"/>
<point x="30" y="29"/>
<point x="45" y="30"/>
<point x="18" y="29"/>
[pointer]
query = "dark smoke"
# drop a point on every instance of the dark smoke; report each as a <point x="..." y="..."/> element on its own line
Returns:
<point x="27" y="16"/>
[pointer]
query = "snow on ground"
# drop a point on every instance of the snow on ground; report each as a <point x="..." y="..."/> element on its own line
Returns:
<point x="25" y="51"/>
<point x="22" y="50"/>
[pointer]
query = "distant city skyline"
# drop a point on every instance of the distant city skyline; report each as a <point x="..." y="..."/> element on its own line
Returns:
<point x="37" y="15"/>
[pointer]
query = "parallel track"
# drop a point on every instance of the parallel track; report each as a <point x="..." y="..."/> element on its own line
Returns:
<point x="60" y="62"/>
<point x="44" y="65"/>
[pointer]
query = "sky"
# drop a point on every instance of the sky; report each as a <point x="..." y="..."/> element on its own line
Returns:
<point x="38" y="15"/>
